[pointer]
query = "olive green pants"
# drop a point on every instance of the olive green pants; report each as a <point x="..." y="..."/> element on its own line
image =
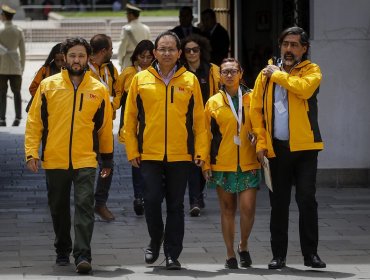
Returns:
<point x="59" y="184"/>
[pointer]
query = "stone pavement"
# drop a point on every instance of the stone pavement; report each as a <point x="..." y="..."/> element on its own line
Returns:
<point x="26" y="234"/>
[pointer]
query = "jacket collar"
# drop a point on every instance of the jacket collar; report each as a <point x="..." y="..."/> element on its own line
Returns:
<point x="65" y="76"/>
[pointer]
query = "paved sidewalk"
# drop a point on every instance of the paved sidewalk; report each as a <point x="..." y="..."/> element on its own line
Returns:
<point x="26" y="234"/>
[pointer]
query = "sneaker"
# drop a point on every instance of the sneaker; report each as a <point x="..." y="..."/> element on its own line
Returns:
<point x="172" y="264"/>
<point x="83" y="266"/>
<point x="104" y="213"/>
<point x="16" y="122"/>
<point x="231" y="263"/>
<point x="194" y="210"/>
<point x="139" y="206"/>
<point x="2" y="123"/>
<point x="62" y="260"/>
<point x="245" y="258"/>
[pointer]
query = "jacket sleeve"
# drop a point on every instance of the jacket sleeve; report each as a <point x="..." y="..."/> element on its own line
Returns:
<point x="22" y="51"/>
<point x="256" y="112"/>
<point x="118" y="89"/>
<point x="207" y="115"/>
<point x="302" y="85"/>
<point x="214" y="79"/>
<point x="105" y="133"/>
<point x="37" y="80"/>
<point x="128" y="133"/>
<point x="34" y="128"/>
<point x="199" y="124"/>
<point x="122" y="47"/>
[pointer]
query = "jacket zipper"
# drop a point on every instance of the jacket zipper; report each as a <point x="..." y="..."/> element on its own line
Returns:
<point x="72" y="124"/>
<point x="165" y="127"/>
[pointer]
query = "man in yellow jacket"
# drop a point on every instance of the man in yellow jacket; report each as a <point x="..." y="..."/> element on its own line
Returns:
<point x="284" y="117"/>
<point x="103" y="70"/>
<point x="164" y="131"/>
<point x="71" y="117"/>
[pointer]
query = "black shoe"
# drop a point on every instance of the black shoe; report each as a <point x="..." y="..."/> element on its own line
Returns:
<point x="139" y="206"/>
<point x="2" y="123"/>
<point x="152" y="252"/>
<point x="245" y="258"/>
<point x="62" y="260"/>
<point x="194" y="210"/>
<point x="83" y="265"/>
<point x="16" y="122"/>
<point x="231" y="263"/>
<point x="277" y="263"/>
<point x="172" y="264"/>
<point x="314" y="261"/>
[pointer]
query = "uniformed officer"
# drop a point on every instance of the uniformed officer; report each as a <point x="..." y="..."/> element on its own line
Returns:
<point x="11" y="63"/>
<point x="132" y="33"/>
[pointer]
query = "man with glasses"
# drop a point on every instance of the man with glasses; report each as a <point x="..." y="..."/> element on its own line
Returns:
<point x="164" y="131"/>
<point x="104" y="71"/>
<point x="284" y="115"/>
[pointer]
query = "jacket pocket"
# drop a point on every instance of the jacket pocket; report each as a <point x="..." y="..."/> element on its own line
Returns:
<point x="81" y="101"/>
<point x="172" y="94"/>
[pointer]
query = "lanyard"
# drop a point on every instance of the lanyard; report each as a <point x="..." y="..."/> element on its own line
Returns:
<point x="238" y="116"/>
<point x="98" y="74"/>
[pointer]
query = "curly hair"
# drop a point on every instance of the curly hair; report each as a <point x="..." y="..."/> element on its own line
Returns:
<point x="202" y="42"/>
<point x="71" y="42"/>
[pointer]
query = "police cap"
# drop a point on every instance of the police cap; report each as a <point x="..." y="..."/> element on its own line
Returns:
<point x="7" y="10"/>
<point x="132" y="8"/>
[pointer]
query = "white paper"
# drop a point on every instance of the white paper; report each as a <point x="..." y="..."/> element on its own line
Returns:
<point x="267" y="173"/>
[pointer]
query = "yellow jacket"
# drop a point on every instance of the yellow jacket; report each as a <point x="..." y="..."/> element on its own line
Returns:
<point x="165" y="121"/>
<point x="302" y="85"/>
<point x="113" y="83"/>
<point x="72" y="125"/>
<point x="225" y="155"/>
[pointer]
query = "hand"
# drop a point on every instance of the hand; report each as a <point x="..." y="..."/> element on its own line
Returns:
<point x="136" y="162"/>
<point x="199" y="162"/>
<point x="260" y="155"/>
<point x="269" y="70"/>
<point x="33" y="165"/>
<point x="105" y="172"/>
<point x="252" y="138"/>
<point x="207" y="174"/>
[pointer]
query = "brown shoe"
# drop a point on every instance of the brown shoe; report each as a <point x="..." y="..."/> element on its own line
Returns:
<point x="104" y="213"/>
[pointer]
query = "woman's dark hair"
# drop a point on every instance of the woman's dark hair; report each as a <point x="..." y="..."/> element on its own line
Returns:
<point x="144" y="45"/>
<point x="54" y="51"/>
<point x="168" y="33"/>
<point x="303" y="37"/>
<point x="202" y="42"/>
<point x="231" y="59"/>
<point x="71" y="42"/>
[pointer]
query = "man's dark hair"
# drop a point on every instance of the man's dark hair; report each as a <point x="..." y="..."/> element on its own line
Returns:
<point x="71" y="42"/>
<point x="295" y="30"/>
<point x="8" y="16"/>
<point x="99" y="42"/>
<point x="168" y="33"/>
<point x="209" y="12"/>
<point x="133" y="12"/>
<point x="144" y="45"/>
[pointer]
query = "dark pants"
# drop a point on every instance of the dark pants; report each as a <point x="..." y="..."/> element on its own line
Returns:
<point x="298" y="168"/>
<point x="15" y="82"/>
<point x="165" y="180"/>
<point x="196" y="183"/>
<point x="59" y="188"/>
<point x="137" y="182"/>
<point x="102" y="187"/>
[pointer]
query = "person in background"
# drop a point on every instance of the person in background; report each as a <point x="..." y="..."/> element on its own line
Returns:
<point x="284" y="116"/>
<point x="217" y="35"/>
<point x="104" y="71"/>
<point x="195" y="54"/>
<point x="232" y="167"/>
<point x="141" y="59"/>
<point x="52" y="65"/>
<point x="164" y="130"/>
<point x="186" y="27"/>
<point x="132" y="33"/>
<point x="12" y="61"/>
<point x="71" y="117"/>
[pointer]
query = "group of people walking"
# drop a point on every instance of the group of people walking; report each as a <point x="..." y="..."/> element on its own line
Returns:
<point x="187" y="120"/>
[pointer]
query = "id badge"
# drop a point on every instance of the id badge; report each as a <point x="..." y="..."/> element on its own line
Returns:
<point x="280" y="107"/>
<point x="237" y="140"/>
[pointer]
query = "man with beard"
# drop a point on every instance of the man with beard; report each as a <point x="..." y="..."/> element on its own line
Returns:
<point x="284" y="116"/>
<point x="104" y="71"/>
<point x="71" y="116"/>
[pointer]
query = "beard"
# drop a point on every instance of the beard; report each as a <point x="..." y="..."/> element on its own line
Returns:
<point x="74" y="72"/>
<point x="289" y="59"/>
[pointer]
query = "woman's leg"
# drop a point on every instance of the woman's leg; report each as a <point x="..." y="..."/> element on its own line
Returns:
<point x="247" y="205"/>
<point x="228" y="205"/>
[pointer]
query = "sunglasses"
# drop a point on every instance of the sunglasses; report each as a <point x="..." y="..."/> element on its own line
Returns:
<point x="194" y="50"/>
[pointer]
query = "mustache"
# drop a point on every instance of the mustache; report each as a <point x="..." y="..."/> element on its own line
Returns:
<point x="289" y="54"/>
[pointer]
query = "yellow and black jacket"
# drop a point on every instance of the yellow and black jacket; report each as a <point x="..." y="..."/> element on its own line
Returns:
<point x="74" y="125"/>
<point x="302" y="85"/>
<point x="165" y="122"/>
<point x="225" y="155"/>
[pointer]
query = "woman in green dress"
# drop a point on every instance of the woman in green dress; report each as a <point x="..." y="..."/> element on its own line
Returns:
<point x="232" y="167"/>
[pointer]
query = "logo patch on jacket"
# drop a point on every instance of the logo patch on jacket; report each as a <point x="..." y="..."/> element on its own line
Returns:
<point x="181" y="89"/>
<point x="92" y="96"/>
